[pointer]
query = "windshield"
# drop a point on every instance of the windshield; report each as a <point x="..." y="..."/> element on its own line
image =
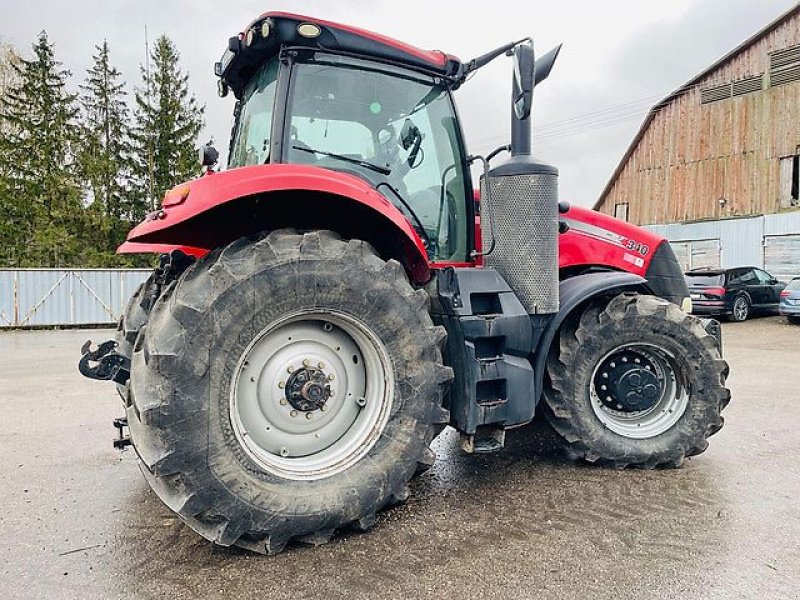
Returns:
<point x="396" y="129"/>
<point x="251" y="142"/>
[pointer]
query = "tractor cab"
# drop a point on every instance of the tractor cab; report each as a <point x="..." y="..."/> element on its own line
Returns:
<point x="324" y="101"/>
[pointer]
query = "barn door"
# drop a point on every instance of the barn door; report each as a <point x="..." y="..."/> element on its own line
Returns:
<point x="782" y="256"/>
<point x="705" y="254"/>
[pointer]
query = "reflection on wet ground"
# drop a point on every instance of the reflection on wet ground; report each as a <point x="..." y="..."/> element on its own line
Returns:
<point x="80" y="522"/>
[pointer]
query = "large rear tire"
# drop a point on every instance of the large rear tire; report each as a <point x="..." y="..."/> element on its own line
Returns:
<point x="133" y="318"/>
<point x="286" y="387"/>
<point x="636" y="382"/>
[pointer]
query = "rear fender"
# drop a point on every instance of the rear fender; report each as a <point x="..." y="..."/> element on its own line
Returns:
<point x="574" y="293"/>
<point x="216" y="209"/>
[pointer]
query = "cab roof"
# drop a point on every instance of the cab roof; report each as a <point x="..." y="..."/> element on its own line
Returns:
<point x="241" y="60"/>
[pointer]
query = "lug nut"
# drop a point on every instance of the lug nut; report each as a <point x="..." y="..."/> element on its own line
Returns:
<point x="320" y="365"/>
<point x="308" y="416"/>
<point x="322" y="408"/>
<point x="290" y="369"/>
<point x="331" y="377"/>
<point x="293" y="413"/>
<point x="306" y="362"/>
<point x="281" y="384"/>
<point x="283" y="401"/>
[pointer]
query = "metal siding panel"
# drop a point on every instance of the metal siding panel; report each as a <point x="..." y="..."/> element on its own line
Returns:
<point x="62" y="297"/>
<point x="742" y="241"/>
<point x="6" y="297"/>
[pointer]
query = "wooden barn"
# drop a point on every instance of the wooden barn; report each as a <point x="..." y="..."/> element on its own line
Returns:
<point x="724" y="145"/>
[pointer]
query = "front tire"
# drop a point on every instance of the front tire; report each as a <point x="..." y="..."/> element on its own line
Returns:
<point x="241" y="358"/>
<point x="636" y="383"/>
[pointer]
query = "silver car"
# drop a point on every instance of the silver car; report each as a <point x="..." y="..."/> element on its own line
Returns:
<point x="790" y="301"/>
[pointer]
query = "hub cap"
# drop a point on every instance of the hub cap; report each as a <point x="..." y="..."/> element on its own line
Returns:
<point x="637" y="391"/>
<point x="311" y="394"/>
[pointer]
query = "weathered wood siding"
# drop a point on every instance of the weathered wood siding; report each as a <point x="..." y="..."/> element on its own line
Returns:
<point x="693" y="154"/>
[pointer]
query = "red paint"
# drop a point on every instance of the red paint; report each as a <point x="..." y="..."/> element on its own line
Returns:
<point x="435" y="58"/>
<point x="209" y="192"/>
<point x="139" y="248"/>
<point x="576" y="248"/>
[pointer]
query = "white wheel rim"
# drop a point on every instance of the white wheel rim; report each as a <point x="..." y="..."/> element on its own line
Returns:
<point x="320" y="428"/>
<point x="660" y="417"/>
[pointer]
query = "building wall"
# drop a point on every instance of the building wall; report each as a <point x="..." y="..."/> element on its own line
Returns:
<point x="691" y="155"/>
<point x="770" y="241"/>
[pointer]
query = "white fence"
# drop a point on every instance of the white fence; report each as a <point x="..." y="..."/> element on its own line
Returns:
<point x="64" y="297"/>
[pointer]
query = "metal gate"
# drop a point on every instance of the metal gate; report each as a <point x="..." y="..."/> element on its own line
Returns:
<point x="782" y="256"/>
<point x="63" y="297"/>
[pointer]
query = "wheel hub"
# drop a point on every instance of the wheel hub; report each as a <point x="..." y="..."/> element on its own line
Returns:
<point x="308" y="389"/>
<point x="626" y="381"/>
<point x="310" y="394"/>
<point x="638" y="391"/>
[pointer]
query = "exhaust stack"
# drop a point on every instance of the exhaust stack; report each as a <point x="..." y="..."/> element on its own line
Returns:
<point x="522" y="205"/>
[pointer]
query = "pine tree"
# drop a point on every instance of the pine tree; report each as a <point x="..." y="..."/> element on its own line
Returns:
<point x="8" y="58"/>
<point x="105" y="155"/>
<point x="167" y="123"/>
<point x="40" y="198"/>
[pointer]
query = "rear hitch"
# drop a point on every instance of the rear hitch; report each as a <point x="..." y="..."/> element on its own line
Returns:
<point x="108" y="365"/>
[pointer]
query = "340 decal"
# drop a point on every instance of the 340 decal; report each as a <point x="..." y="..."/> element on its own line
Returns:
<point x="635" y="246"/>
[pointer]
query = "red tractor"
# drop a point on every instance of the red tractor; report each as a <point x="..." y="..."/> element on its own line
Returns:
<point x="329" y="303"/>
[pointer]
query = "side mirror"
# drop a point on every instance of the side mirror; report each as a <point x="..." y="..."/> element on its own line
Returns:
<point x="544" y="65"/>
<point x="208" y="155"/>
<point x="523" y="80"/>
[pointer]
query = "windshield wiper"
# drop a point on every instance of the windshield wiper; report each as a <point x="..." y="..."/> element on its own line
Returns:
<point x="355" y="161"/>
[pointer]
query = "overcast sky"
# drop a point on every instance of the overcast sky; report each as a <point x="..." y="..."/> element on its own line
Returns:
<point x="618" y="58"/>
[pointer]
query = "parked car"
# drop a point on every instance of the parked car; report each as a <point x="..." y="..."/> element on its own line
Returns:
<point x="736" y="293"/>
<point x="790" y="301"/>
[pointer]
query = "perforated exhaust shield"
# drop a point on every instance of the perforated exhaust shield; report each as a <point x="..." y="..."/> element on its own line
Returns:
<point x="522" y="209"/>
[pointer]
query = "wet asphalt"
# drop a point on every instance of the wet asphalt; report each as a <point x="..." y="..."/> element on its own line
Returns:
<point x="78" y="520"/>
